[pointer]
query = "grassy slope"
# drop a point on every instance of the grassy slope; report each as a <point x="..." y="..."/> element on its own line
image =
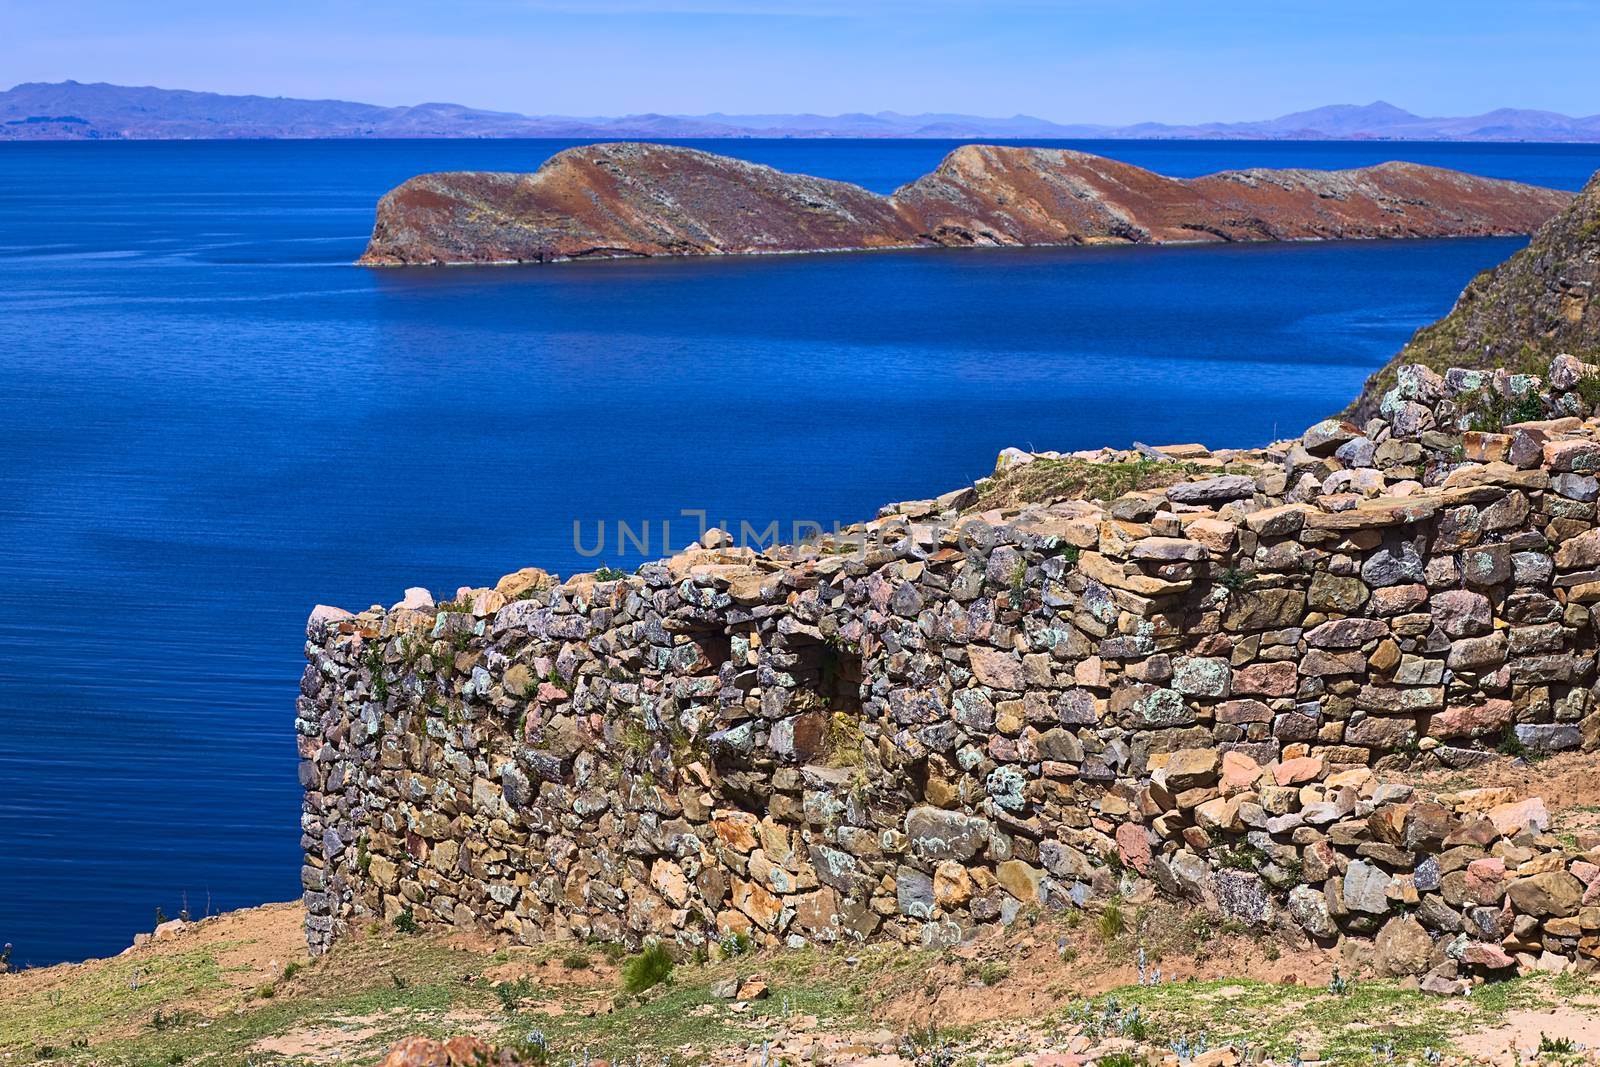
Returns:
<point x="1045" y="977"/>
<point x="1535" y="305"/>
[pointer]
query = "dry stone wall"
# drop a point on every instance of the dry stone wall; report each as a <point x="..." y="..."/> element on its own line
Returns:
<point x="1217" y="686"/>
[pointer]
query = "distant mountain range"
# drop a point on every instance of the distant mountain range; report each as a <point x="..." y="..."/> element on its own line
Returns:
<point x="74" y="111"/>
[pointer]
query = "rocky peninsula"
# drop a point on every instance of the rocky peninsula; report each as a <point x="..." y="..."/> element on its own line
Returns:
<point x="640" y="200"/>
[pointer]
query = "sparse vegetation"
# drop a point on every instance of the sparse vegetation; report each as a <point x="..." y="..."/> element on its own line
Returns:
<point x="734" y="943"/>
<point x="379" y="988"/>
<point x="1558" y="1046"/>
<point x="1588" y="390"/>
<point x="993" y="973"/>
<point x="1109" y="923"/>
<point x="406" y="922"/>
<point x="1232" y="579"/>
<point x="511" y="994"/>
<point x="842" y="747"/>
<point x="1490" y="411"/>
<point x="1055" y="479"/>
<point x="652" y="966"/>
<point x="1510" y="744"/>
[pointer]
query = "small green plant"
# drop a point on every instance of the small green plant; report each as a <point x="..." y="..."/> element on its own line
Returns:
<point x="161" y="916"/>
<point x="1110" y="922"/>
<point x="291" y="969"/>
<point x="532" y="1050"/>
<point x="1588" y="387"/>
<point x="1510" y="744"/>
<point x="844" y="740"/>
<point x="1559" y="1046"/>
<point x="1232" y="579"/>
<point x="380" y="681"/>
<point x="577" y="961"/>
<point x="1118" y="1059"/>
<point x="265" y="990"/>
<point x="406" y="922"/>
<point x="609" y="574"/>
<point x="613" y="950"/>
<point x="1240" y="857"/>
<point x="1488" y="411"/>
<point x="162" y="1021"/>
<point x="461" y="605"/>
<point x="734" y="943"/>
<point x="651" y="967"/>
<point x="363" y="857"/>
<point x="1339" y="985"/>
<point x="993" y="973"/>
<point x="636" y="739"/>
<point x="398" y="979"/>
<point x="510" y="994"/>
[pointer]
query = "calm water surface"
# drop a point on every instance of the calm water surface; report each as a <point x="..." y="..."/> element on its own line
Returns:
<point x="209" y="422"/>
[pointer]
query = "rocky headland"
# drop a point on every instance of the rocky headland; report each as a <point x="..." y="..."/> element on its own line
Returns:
<point x="637" y="200"/>
<point x="1520" y="314"/>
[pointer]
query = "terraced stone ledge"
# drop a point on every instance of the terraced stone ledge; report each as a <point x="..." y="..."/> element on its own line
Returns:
<point x="1219" y="680"/>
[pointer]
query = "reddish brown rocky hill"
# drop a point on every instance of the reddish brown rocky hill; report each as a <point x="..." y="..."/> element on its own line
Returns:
<point x="613" y="200"/>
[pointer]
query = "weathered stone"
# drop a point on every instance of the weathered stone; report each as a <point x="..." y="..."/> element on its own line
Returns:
<point x="1190" y="768"/>
<point x="913" y="892"/>
<point x="1309" y="908"/>
<point x="1020" y="879"/>
<point x="1346" y="633"/>
<point x="1366" y="888"/>
<point x="1461" y="612"/>
<point x="935" y="834"/>
<point x="1475" y="720"/>
<point x="1266" y="679"/>
<point x="1332" y="593"/>
<point x="1521" y="816"/>
<point x="1216" y="490"/>
<point x="1553" y="893"/>
<point x="1402" y="947"/>
<point x="1199" y="676"/>
<point x="999" y="670"/>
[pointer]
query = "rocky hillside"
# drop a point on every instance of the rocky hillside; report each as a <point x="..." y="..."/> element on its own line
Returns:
<point x="1519" y="315"/>
<point x="627" y="199"/>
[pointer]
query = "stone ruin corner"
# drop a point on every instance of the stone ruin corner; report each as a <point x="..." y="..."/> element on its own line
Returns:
<point x="1219" y="686"/>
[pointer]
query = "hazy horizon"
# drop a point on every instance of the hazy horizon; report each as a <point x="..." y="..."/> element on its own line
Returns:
<point x="1089" y="61"/>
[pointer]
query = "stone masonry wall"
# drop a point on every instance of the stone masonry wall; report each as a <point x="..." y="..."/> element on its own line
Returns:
<point x="1217" y="686"/>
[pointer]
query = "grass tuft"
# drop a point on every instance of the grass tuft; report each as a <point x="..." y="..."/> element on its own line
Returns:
<point x="652" y="966"/>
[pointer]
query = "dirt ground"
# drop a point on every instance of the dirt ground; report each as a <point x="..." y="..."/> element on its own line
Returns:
<point x="1566" y="782"/>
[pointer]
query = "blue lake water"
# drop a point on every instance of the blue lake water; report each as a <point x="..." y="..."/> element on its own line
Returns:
<point x="210" y="421"/>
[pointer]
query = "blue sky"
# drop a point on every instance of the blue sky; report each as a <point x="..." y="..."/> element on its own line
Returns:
<point x="1070" y="60"/>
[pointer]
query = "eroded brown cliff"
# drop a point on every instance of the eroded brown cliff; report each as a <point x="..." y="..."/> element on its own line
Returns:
<point x="615" y="200"/>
